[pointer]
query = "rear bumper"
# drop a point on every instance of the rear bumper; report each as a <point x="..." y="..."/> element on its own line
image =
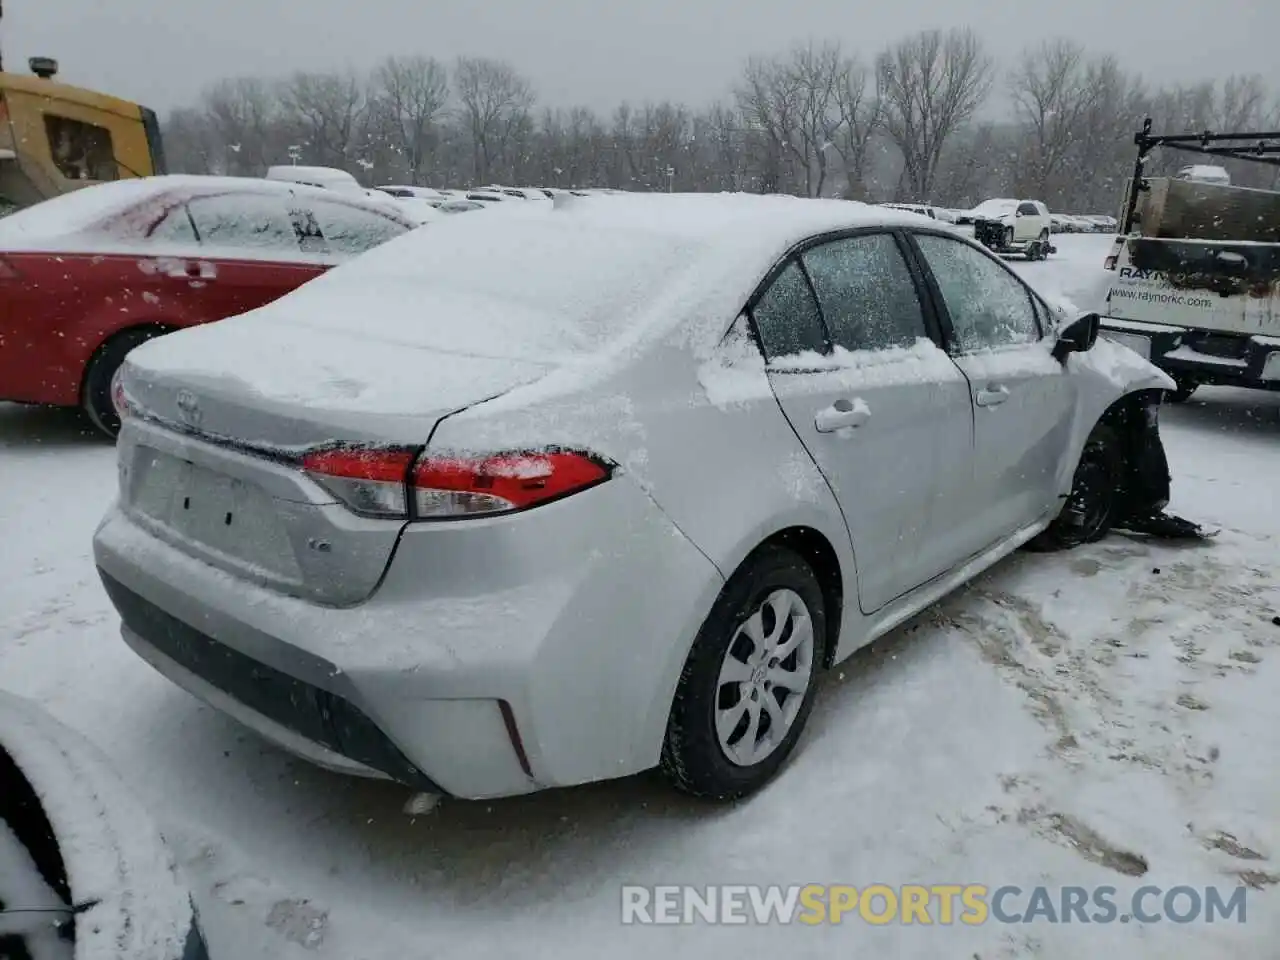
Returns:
<point x="1202" y="356"/>
<point x="457" y="676"/>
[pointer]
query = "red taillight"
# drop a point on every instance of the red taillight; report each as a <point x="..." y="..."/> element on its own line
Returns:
<point x="446" y="487"/>
<point x="380" y="482"/>
<point x="369" y="481"/>
<point x="120" y="399"/>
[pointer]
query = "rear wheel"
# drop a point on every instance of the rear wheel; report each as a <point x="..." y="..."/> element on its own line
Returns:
<point x="749" y="682"/>
<point x="1045" y="244"/>
<point x="1094" y="502"/>
<point x="95" y="393"/>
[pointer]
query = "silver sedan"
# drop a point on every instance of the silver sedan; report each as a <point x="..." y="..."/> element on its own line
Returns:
<point x="599" y="486"/>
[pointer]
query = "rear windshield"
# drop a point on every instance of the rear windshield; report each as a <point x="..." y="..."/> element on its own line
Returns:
<point x="497" y="284"/>
<point x="73" y="212"/>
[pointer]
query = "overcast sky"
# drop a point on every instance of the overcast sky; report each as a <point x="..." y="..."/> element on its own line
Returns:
<point x="596" y="52"/>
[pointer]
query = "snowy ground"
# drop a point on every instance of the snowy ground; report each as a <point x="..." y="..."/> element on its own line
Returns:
<point x="1063" y="720"/>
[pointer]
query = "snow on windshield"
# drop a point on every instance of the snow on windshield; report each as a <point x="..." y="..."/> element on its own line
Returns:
<point x="519" y="287"/>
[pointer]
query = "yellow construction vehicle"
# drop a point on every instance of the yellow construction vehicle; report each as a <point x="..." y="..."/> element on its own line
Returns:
<point x="55" y="138"/>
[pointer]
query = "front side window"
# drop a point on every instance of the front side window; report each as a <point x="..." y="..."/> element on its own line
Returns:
<point x="245" y="221"/>
<point x="80" y="151"/>
<point x="1028" y="210"/>
<point x="787" y="316"/>
<point x="350" y="230"/>
<point x="988" y="305"/>
<point x="866" y="291"/>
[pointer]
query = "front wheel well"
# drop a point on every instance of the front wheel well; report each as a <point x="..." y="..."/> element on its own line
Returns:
<point x="816" y="550"/>
<point x="1133" y="418"/>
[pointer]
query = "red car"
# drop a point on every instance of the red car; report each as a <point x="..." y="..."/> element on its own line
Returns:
<point x="86" y="277"/>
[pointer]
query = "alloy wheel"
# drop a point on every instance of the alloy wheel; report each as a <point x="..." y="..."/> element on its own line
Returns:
<point x="766" y="671"/>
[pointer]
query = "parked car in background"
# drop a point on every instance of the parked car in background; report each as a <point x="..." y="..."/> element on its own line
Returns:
<point x="1102" y="223"/>
<point x="87" y="276"/>
<point x="425" y="194"/>
<point x="455" y="205"/>
<point x="921" y="208"/>
<point x="328" y="178"/>
<point x="396" y="520"/>
<point x="1014" y="226"/>
<point x="1205" y="173"/>
<point x="418" y="210"/>
<point x="522" y="193"/>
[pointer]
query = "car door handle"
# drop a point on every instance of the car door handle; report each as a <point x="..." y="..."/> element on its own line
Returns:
<point x="994" y="395"/>
<point x="843" y="413"/>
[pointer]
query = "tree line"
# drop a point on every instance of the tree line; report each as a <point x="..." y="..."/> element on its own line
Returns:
<point x="931" y="118"/>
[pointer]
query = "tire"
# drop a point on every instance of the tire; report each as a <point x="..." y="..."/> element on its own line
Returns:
<point x="1045" y="245"/>
<point x="95" y="392"/>
<point x="1096" y="494"/>
<point x="1182" y="393"/>
<point x="696" y="758"/>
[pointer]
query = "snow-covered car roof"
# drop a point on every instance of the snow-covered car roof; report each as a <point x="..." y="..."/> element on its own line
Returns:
<point x="571" y="278"/>
<point x="82" y="211"/>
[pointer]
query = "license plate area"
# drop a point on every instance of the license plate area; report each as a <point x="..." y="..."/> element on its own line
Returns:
<point x="220" y="518"/>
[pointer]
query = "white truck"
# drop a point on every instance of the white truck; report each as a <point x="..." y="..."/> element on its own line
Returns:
<point x="1197" y="268"/>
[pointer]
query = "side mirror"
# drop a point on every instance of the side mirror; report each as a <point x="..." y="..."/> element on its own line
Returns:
<point x="1079" y="336"/>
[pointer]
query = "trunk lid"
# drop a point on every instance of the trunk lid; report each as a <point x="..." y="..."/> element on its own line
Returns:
<point x="209" y="462"/>
<point x="283" y="387"/>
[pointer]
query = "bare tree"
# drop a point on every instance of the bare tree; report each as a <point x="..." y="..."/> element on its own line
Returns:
<point x="769" y="101"/>
<point x="1104" y="150"/>
<point x="860" y="115"/>
<point x="409" y="97"/>
<point x="932" y="83"/>
<point x="243" y="115"/>
<point x="325" y="109"/>
<point x="495" y="103"/>
<point x="190" y="142"/>
<point x="1051" y="95"/>
<point x="815" y="75"/>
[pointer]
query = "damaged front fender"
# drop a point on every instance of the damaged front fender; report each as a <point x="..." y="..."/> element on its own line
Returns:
<point x="1111" y="381"/>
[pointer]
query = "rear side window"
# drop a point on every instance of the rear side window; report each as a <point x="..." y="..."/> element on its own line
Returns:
<point x="244" y="221"/>
<point x="787" y="316"/>
<point x="80" y="151"/>
<point x="866" y="291"/>
<point x="352" y="230"/>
